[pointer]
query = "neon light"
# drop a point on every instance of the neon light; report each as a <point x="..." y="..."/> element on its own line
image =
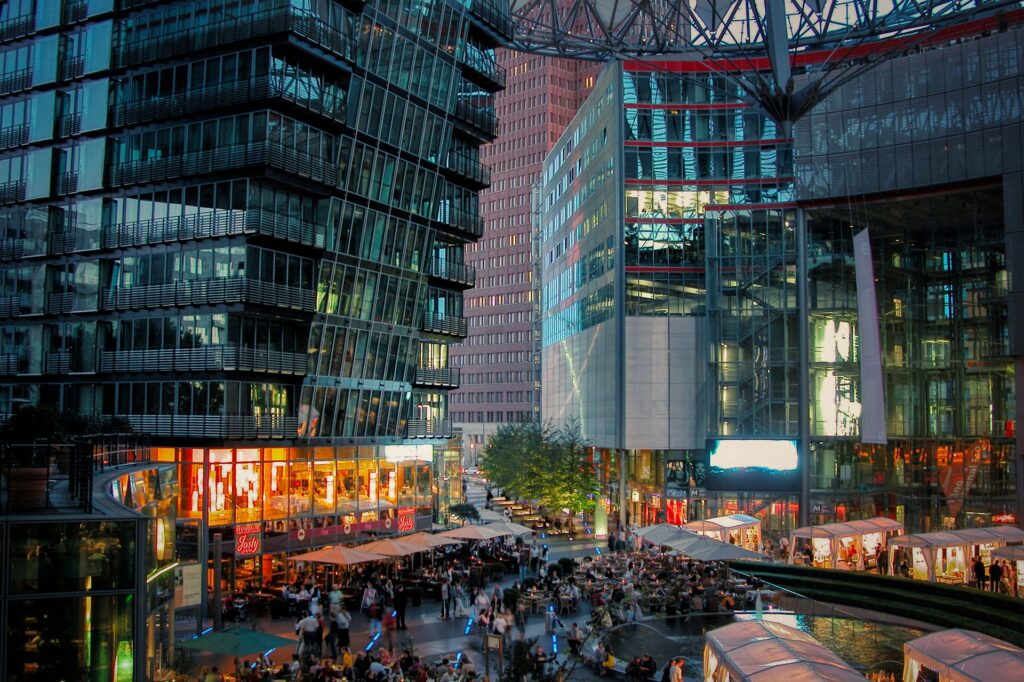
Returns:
<point x="156" y="574"/>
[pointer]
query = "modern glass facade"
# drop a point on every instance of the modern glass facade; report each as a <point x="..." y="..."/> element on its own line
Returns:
<point x="240" y="226"/>
<point x="730" y="312"/>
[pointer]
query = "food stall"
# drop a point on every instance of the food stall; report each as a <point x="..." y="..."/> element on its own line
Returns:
<point x="961" y="656"/>
<point x="763" y="650"/>
<point x="738" y="529"/>
<point x="847" y="544"/>
<point x="1015" y="555"/>
<point x="946" y="556"/>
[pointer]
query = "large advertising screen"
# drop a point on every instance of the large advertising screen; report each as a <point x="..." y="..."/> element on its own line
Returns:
<point x="753" y="464"/>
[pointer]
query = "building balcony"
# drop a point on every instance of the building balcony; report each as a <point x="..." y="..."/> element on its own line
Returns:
<point x="10" y="364"/>
<point x="74" y="11"/>
<point x="481" y="119"/>
<point x="204" y="359"/>
<point x="212" y="426"/>
<point x="69" y="124"/>
<point x="463" y="221"/>
<point x="449" y="325"/>
<point x="72" y="67"/>
<point x="12" y="192"/>
<point x="17" y="27"/>
<point x="214" y="224"/>
<point x="437" y="378"/>
<point x="231" y="157"/>
<point x="468" y="168"/>
<point x="449" y="271"/>
<point x="10" y="306"/>
<point x="14" y="136"/>
<point x="428" y="428"/>
<point x="210" y="292"/>
<point x="58" y="362"/>
<point x="216" y="98"/>
<point x="494" y="14"/>
<point x="238" y="29"/>
<point x="16" y="81"/>
<point x="482" y="69"/>
<point x="67" y="183"/>
<point x="59" y="303"/>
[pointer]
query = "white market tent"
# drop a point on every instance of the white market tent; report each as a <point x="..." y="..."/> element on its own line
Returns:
<point x="742" y="529"/>
<point x="963" y="656"/>
<point x="1014" y="553"/>
<point x="945" y="556"/>
<point x="763" y="651"/>
<point x="831" y="540"/>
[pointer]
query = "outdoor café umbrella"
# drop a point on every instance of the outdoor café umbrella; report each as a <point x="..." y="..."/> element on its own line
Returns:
<point x="429" y="540"/>
<point x="339" y="556"/>
<point x="236" y="642"/>
<point x="392" y="547"/>
<point x="475" y="533"/>
<point x="664" y="534"/>
<point x="708" y="549"/>
<point x="512" y="528"/>
<point x="489" y="515"/>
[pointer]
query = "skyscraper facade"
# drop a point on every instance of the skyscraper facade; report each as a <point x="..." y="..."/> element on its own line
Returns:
<point x="240" y="226"/>
<point x="709" y="285"/>
<point x="499" y="360"/>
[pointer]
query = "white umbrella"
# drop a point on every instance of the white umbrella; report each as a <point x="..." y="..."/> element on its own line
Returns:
<point x="474" y="533"/>
<point x="339" y="556"/>
<point x="429" y="540"/>
<point x="664" y="534"/>
<point x="490" y="515"/>
<point x="392" y="547"/>
<point x="707" y="549"/>
<point x="512" y="528"/>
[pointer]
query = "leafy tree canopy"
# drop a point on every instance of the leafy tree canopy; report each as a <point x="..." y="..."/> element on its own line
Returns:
<point x="539" y="462"/>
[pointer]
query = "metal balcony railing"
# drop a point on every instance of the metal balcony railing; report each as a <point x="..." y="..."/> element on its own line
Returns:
<point x="428" y="428"/>
<point x="16" y="81"/>
<point x="495" y="14"/>
<point x="61" y="242"/>
<point x="207" y="358"/>
<point x="14" y="136"/>
<point x="12" y="192"/>
<point x="10" y="306"/>
<point x="212" y="426"/>
<point x="483" y="119"/>
<point x="483" y="66"/>
<point x="237" y="29"/>
<point x="11" y="249"/>
<point x="214" y="224"/>
<point x="17" y="27"/>
<point x="441" y="378"/>
<point x="69" y="124"/>
<point x="216" y="98"/>
<point x="72" y="67"/>
<point x="449" y="325"/>
<point x="58" y="362"/>
<point x="10" y="363"/>
<point x="231" y="157"/>
<point x="75" y="11"/>
<point x="453" y="272"/>
<point x="67" y="183"/>
<point x="465" y="221"/>
<point x="210" y="292"/>
<point x="469" y="168"/>
<point x="59" y="303"/>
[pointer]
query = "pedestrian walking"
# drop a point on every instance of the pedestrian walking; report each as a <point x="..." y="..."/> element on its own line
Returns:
<point x="401" y="603"/>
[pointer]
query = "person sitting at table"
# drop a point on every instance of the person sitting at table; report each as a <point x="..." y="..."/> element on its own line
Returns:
<point x="607" y="661"/>
<point x="726" y="602"/>
<point x="538" y="661"/>
<point x="575" y="638"/>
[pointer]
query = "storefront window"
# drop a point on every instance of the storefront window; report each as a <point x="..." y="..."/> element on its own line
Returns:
<point x="423" y="496"/>
<point x="248" y="493"/>
<point x="346" y="485"/>
<point x="82" y="638"/>
<point x="388" y="484"/>
<point x="193" y="484"/>
<point x="299" y="488"/>
<point x="275" y="483"/>
<point x="324" y="488"/>
<point x="368" y="485"/>
<point x="221" y="485"/>
<point x="406" y="484"/>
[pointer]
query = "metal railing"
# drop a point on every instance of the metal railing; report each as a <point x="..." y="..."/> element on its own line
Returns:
<point x="210" y="291"/>
<point x="59" y="303"/>
<point x="69" y="124"/>
<point x="230" y="157"/>
<point x="483" y="65"/>
<point x="237" y="29"/>
<point x="67" y="183"/>
<point x="469" y="168"/>
<point x="72" y="67"/>
<point x="214" y="224"/>
<point x="494" y="14"/>
<point x="445" y="324"/>
<point x="483" y="119"/>
<point x="16" y="27"/>
<point x="14" y="136"/>
<point x="62" y="242"/>
<point x="473" y="223"/>
<point x="58" y="362"/>
<point x="207" y="358"/>
<point x="16" y="81"/>
<point x="12" y="192"/>
<point x="428" y="428"/>
<point x="10" y="363"/>
<point x="453" y="271"/>
<point x="195" y="100"/>
<point x="213" y="426"/>
<point x="10" y="306"/>
<point x="75" y="11"/>
<point x="446" y="378"/>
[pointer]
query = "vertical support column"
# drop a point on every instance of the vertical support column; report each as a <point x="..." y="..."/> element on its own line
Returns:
<point x="218" y="545"/>
<point x="1013" y="227"/>
<point x="803" y="341"/>
<point x="141" y="603"/>
<point x="623" y="493"/>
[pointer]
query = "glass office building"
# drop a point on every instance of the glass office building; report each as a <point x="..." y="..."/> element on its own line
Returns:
<point x="700" y="300"/>
<point x="239" y="226"/>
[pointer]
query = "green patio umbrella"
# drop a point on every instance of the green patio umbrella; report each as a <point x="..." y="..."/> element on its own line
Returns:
<point x="236" y="642"/>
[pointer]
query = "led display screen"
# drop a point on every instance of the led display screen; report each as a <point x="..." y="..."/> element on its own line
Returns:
<point x="753" y="465"/>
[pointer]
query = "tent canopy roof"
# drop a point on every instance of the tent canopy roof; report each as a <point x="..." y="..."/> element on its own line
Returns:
<point x="763" y="650"/>
<point x="1014" y="553"/>
<point x="953" y="538"/>
<point x="723" y="523"/>
<point x="967" y="656"/>
<point x="849" y="528"/>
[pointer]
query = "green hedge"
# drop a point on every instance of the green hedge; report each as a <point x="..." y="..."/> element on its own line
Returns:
<point x="944" y="605"/>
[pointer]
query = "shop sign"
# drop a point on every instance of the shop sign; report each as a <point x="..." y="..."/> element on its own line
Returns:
<point x="406" y="519"/>
<point x="188" y="585"/>
<point x="1008" y="518"/>
<point x="248" y="539"/>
